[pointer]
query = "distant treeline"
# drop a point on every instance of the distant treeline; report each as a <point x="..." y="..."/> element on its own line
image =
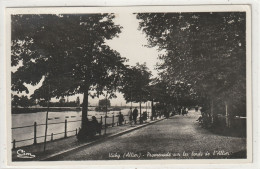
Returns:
<point x="58" y="104"/>
<point x="25" y="102"/>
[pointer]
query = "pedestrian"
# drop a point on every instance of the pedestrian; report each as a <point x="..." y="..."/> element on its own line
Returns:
<point x="135" y="114"/>
<point x="120" y="118"/>
<point x="95" y="125"/>
<point x="186" y="111"/>
<point x="179" y="110"/>
<point x="130" y="115"/>
<point x="182" y="111"/>
<point x="153" y="113"/>
<point x="196" y="108"/>
<point x="166" y="113"/>
<point x="144" y="116"/>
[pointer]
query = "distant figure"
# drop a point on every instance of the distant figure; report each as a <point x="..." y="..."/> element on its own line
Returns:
<point x="200" y="120"/>
<point x="196" y="108"/>
<point x="120" y="118"/>
<point x="182" y="111"/>
<point x="186" y="111"/>
<point x="166" y="113"/>
<point x="179" y="110"/>
<point x="135" y="114"/>
<point x="96" y="125"/>
<point x="153" y="113"/>
<point x="130" y="115"/>
<point x="144" y="116"/>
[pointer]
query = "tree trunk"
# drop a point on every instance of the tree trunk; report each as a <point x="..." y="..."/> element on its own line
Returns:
<point x="152" y="115"/>
<point x="140" y="112"/>
<point x="84" y="109"/>
<point x="227" y="115"/>
<point x="212" y="111"/>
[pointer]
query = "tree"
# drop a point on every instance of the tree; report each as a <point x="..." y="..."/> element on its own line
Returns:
<point x="68" y="52"/>
<point x="15" y="101"/>
<point x="171" y="95"/>
<point x="24" y="101"/>
<point x="104" y="102"/>
<point x="136" y="83"/>
<point x="62" y="102"/>
<point x="206" y="50"/>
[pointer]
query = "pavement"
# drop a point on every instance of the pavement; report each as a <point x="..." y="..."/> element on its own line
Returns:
<point x="179" y="137"/>
<point x="65" y="145"/>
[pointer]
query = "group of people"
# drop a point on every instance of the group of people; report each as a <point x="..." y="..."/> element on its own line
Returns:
<point x="183" y="111"/>
<point x="133" y="115"/>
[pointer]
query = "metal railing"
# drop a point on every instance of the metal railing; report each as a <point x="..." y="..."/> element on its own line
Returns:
<point x="35" y="125"/>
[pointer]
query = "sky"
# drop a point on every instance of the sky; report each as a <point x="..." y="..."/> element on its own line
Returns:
<point x="131" y="45"/>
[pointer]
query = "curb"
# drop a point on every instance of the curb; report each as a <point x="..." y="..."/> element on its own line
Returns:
<point x="52" y="156"/>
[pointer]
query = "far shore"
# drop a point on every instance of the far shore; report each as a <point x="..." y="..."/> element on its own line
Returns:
<point x="22" y="110"/>
<point x="19" y="110"/>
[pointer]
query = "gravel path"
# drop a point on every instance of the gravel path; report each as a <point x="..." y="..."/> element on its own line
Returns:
<point x="177" y="138"/>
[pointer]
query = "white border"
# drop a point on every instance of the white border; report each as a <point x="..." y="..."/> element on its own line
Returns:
<point x="135" y="162"/>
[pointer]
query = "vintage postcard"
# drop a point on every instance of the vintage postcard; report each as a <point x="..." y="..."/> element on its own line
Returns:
<point x="131" y="85"/>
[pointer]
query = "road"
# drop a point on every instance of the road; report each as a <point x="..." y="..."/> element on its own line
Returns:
<point x="179" y="137"/>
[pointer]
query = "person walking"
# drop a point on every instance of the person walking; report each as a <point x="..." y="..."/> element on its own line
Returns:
<point x="135" y="114"/>
<point x="130" y="115"/>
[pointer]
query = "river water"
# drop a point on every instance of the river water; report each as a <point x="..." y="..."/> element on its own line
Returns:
<point x="73" y="122"/>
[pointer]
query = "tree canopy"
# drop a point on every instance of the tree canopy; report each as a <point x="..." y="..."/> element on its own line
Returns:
<point x="206" y="50"/>
<point x="136" y="83"/>
<point x="68" y="52"/>
<point x="104" y="102"/>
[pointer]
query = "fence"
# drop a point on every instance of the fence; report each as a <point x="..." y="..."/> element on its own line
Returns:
<point x="35" y="125"/>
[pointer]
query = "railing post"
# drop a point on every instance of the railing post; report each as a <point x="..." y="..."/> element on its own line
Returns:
<point x="105" y="125"/>
<point x="125" y="121"/>
<point x="65" y="134"/>
<point x="105" y="121"/>
<point x="113" y="119"/>
<point x="76" y="132"/>
<point x="51" y="136"/>
<point x="14" y="144"/>
<point x="35" y="133"/>
<point x="101" y="119"/>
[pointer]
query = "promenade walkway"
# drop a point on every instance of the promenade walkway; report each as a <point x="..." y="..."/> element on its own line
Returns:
<point x="179" y="137"/>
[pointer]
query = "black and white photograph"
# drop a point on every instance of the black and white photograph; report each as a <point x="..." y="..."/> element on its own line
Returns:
<point x="128" y="84"/>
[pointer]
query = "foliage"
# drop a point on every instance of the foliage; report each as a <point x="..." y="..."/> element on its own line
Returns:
<point x="68" y="52"/>
<point x="104" y="102"/>
<point x="43" y="103"/>
<point x="136" y="83"/>
<point x="22" y="101"/>
<point x="206" y="50"/>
